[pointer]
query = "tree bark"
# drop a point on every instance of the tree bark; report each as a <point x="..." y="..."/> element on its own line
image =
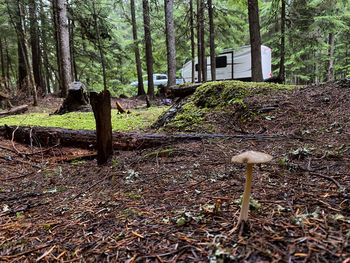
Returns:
<point x="101" y="105"/>
<point x="23" y="47"/>
<point x="140" y="88"/>
<point x="63" y="44"/>
<point x="46" y="68"/>
<point x="148" y="43"/>
<point x="192" y="42"/>
<point x="35" y="46"/>
<point x="212" y="41"/>
<point x="282" y="47"/>
<point x="2" y="61"/>
<point x="199" y="42"/>
<point x="100" y="47"/>
<point x="170" y="42"/>
<point x="255" y="41"/>
<point x="203" y="56"/>
<point x="331" y="43"/>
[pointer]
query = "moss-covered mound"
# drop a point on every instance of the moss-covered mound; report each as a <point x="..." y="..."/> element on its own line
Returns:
<point x="220" y="105"/>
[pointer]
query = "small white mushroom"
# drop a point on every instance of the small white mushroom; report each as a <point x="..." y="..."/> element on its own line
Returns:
<point x="250" y="158"/>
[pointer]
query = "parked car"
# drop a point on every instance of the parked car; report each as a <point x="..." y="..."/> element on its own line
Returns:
<point x="158" y="80"/>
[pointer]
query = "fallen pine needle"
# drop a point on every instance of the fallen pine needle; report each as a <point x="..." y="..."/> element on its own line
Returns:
<point x="138" y="235"/>
<point x="45" y="253"/>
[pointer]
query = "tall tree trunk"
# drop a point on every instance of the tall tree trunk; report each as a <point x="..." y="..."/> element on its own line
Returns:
<point x="283" y="37"/>
<point x="255" y="41"/>
<point x="203" y="57"/>
<point x="100" y="47"/>
<point x="170" y="41"/>
<point x="35" y="45"/>
<point x="331" y="43"/>
<point x="140" y="88"/>
<point x="63" y="45"/>
<point x="101" y="105"/>
<point x="212" y="40"/>
<point x="72" y="49"/>
<point x="8" y="65"/>
<point x="199" y="42"/>
<point x="148" y="43"/>
<point x="46" y="64"/>
<point x="192" y="42"/>
<point x="23" y="47"/>
<point x="2" y="61"/>
<point x="59" y="77"/>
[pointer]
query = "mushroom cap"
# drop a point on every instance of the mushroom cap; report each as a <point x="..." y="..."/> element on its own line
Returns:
<point x="251" y="157"/>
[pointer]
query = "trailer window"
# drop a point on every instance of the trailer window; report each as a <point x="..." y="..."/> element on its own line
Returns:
<point x="221" y="62"/>
<point x="196" y="67"/>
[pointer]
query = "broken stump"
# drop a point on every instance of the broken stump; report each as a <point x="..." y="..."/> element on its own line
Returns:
<point x="101" y="106"/>
<point x="77" y="99"/>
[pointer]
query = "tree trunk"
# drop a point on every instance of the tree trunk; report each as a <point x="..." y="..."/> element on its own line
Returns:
<point x="46" y="68"/>
<point x="140" y="88"/>
<point x="170" y="42"/>
<point x="63" y="45"/>
<point x="100" y="47"/>
<point x="203" y="56"/>
<point x="282" y="47"/>
<point x="35" y="45"/>
<point x="212" y="41"/>
<point x="255" y="41"/>
<point x="192" y="42"/>
<point x="72" y="49"/>
<point x="331" y="42"/>
<point x="59" y="77"/>
<point x="48" y="136"/>
<point x="101" y="105"/>
<point x="23" y="49"/>
<point x="148" y="43"/>
<point x="199" y="42"/>
<point x="2" y="61"/>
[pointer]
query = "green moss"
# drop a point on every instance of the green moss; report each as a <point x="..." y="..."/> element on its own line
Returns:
<point x="136" y="120"/>
<point x="217" y="96"/>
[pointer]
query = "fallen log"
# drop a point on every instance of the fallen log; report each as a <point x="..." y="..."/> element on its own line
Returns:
<point x="86" y="139"/>
<point x="183" y="91"/>
<point x="14" y="110"/>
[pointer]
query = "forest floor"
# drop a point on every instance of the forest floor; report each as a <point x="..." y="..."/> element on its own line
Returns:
<point x="179" y="203"/>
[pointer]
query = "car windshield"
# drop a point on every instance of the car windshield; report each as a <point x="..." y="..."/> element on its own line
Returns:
<point x="161" y="77"/>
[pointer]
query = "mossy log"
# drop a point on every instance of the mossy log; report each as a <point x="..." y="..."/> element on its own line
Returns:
<point x="86" y="139"/>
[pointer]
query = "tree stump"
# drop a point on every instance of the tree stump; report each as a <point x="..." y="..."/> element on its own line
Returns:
<point x="5" y="101"/>
<point x="77" y="99"/>
<point x="101" y="106"/>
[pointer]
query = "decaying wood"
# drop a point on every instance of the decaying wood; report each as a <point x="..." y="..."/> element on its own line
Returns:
<point x="183" y="91"/>
<point x="101" y="105"/>
<point x="86" y="139"/>
<point x="14" y="110"/>
<point x="121" y="108"/>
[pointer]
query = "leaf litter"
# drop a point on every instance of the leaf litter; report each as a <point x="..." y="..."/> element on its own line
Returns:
<point x="182" y="206"/>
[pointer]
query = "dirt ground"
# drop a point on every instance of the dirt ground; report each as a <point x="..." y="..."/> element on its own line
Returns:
<point x="180" y="202"/>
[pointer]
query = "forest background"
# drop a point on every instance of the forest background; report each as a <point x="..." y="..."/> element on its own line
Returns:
<point x="316" y="39"/>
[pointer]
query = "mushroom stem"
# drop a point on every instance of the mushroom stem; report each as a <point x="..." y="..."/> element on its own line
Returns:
<point x="246" y="195"/>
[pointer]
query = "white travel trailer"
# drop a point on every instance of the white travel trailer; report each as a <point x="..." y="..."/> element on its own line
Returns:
<point x="232" y="64"/>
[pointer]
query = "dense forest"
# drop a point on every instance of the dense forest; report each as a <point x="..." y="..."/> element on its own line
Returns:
<point x="44" y="44"/>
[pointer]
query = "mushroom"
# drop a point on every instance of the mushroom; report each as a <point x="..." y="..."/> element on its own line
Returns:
<point x="250" y="158"/>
